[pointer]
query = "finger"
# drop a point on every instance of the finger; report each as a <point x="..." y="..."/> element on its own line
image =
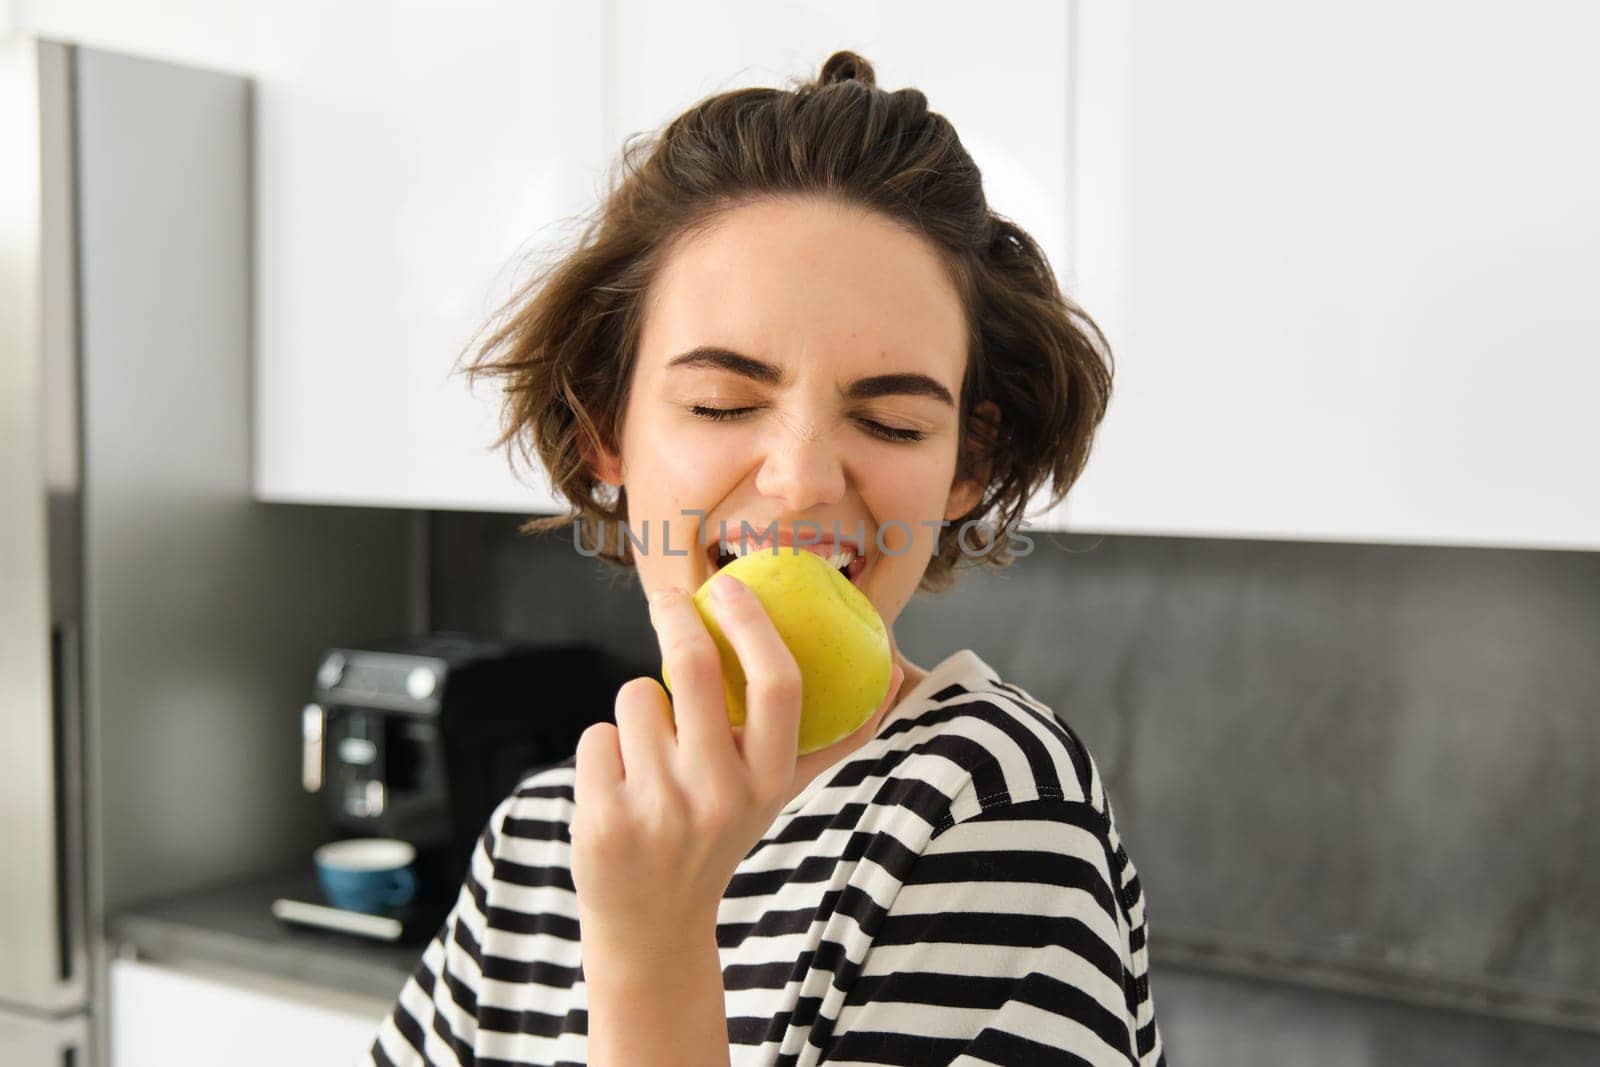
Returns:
<point x="897" y="677"/>
<point x="644" y="729"/>
<point x="699" y="703"/>
<point x="894" y="693"/>
<point x="772" y="683"/>
<point x="599" y="767"/>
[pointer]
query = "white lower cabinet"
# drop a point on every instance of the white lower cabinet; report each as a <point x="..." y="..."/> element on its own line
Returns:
<point x="164" y="1017"/>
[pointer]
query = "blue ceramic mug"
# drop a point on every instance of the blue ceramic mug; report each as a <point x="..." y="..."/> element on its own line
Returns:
<point x="370" y="874"/>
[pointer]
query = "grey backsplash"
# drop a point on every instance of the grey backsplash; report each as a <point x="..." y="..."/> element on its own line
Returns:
<point x="1365" y="767"/>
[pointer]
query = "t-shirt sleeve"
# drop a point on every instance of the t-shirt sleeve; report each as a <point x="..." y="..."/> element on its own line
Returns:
<point x="1007" y="942"/>
<point x="434" y="1022"/>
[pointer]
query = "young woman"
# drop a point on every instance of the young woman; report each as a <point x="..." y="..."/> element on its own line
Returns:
<point x="796" y="313"/>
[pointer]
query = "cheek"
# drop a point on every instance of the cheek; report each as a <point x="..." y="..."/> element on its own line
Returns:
<point x="674" y="470"/>
<point x="913" y="494"/>
<point x="669" y="461"/>
<point x="699" y="469"/>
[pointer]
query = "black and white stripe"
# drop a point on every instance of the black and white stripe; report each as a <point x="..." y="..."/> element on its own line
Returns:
<point x="954" y="892"/>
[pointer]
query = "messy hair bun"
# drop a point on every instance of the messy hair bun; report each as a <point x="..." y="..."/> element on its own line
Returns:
<point x="846" y="66"/>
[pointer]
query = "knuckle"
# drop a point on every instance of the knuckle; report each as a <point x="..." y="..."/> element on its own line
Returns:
<point x="722" y="807"/>
<point x="777" y="688"/>
<point x="685" y="644"/>
<point x="635" y="696"/>
<point x="696" y="662"/>
<point x="596" y="734"/>
<point x="668" y="595"/>
<point x="636" y="689"/>
<point x="594" y="823"/>
<point x="715" y="816"/>
<point x="661" y="815"/>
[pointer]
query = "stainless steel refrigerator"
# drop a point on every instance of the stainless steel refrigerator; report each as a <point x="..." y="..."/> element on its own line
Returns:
<point x="158" y="627"/>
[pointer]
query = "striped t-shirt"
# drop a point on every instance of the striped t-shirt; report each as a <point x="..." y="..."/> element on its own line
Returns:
<point x="953" y="891"/>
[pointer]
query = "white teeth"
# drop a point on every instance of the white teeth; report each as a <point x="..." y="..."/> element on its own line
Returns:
<point x="842" y="557"/>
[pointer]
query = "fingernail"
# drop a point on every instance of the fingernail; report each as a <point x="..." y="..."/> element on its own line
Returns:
<point x="724" y="587"/>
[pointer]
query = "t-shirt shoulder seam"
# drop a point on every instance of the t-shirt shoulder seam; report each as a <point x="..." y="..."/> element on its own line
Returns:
<point x="993" y="802"/>
<point x="1002" y="700"/>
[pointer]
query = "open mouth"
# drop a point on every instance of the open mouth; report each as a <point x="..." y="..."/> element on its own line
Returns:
<point x="843" y="557"/>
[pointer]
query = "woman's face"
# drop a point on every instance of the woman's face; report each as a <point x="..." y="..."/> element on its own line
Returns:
<point x="839" y="343"/>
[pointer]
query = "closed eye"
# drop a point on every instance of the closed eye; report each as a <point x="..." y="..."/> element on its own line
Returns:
<point x="877" y="429"/>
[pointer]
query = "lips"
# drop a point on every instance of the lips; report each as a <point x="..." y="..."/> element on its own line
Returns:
<point x="824" y="547"/>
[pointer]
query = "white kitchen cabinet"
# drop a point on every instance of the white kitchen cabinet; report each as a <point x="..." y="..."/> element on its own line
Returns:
<point x="167" y="1017"/>
<point x="1345" y="256"/>
<point x="407" y="157"/>
<point x="1348" y="255"/>
<point x="404" y="158"/>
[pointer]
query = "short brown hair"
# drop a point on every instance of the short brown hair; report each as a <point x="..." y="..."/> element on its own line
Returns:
<point x="567" y="342"/>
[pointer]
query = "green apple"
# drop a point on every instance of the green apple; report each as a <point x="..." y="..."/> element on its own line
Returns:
<point x="836" y="636"/>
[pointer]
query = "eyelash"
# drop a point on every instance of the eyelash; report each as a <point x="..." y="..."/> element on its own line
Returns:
<point x="877" y="429"/>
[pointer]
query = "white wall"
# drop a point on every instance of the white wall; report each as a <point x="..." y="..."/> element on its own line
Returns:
<point x="217" y="34"/>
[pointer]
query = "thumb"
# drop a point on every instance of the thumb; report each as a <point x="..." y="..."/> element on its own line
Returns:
<point x="895" y="679"/>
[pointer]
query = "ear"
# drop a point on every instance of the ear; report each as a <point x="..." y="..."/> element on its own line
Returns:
<point x="965" y="493"/>
<point x="963" y="497"/>
<point x="603" y="463"/>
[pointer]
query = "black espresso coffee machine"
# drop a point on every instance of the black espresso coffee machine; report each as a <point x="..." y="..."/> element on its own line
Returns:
<point x="419" y="738"/>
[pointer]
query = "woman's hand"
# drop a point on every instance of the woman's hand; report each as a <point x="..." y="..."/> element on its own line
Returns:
<point x="671" y="799"/>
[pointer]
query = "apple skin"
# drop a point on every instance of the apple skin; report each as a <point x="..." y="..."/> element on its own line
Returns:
<point x="836" y="636"/>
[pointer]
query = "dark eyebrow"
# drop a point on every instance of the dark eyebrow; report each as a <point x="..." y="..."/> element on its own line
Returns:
<point x="771" y="374"/>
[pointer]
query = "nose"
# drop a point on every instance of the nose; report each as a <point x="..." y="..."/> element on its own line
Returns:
<point x="802" y="468"/>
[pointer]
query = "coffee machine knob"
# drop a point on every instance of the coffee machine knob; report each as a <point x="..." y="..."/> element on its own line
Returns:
<point x="313" y="728"/>
<point x="331" y="671"/>
<point x="421" y="683"/>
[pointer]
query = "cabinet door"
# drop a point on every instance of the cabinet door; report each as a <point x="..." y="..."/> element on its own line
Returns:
<point x="1001" y="76"/>
<point x="161" y="1017"/>
<point x="407" y="157"/>
<point x="1002" y="79"/>
<point x="1348" y="255"/>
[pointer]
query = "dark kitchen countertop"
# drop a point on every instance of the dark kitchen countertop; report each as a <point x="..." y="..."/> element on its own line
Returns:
<point x="1208" y="1019"/>
<point x="234" y="926"/>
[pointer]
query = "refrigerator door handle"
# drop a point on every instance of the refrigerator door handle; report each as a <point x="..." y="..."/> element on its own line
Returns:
<point x="66" y="654"/>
